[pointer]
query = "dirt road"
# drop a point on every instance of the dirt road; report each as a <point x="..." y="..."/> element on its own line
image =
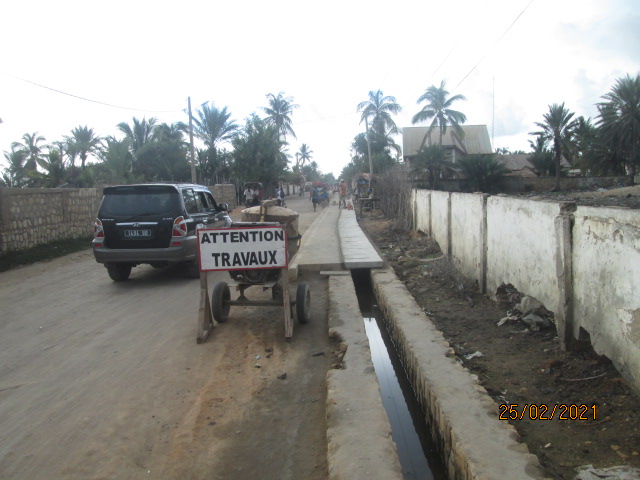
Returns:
<point x="102" y="380"/>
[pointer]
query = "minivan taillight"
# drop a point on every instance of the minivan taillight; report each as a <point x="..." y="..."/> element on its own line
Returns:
<point x="98" y="231"/>
<point x="179" y="227"/>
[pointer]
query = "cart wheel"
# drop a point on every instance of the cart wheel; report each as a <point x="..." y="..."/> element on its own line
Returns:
<point x="220" y="302"/>
<point x="303" y="300"/>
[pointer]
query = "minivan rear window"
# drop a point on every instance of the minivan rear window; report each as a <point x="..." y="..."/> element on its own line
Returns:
<point x="140" y="201"/>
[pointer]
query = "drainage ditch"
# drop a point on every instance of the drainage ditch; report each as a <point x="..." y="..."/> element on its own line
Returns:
<point x="417" y="452"/>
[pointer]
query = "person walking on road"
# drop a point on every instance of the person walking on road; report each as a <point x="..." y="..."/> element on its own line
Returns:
<point x="248" y="196"/>
<point x="315" y="197"/>
<point x="342" y="191"/>
<point x="280" y="197"/>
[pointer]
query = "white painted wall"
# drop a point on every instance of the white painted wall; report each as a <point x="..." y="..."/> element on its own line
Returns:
<point x="521" y="247"/>
<point x="421" y="200"/>
<point x="606" y="282"/>
<point x="467" y="235"/>
<point x="440" y="219"/>
<point x="587" y="274"/>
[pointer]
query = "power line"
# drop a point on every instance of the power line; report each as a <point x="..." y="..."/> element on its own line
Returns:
<point x="87" y="99"/>
<point x="493" y="46"/>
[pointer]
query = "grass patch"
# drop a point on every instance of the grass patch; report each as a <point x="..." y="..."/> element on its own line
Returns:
<point x="43" y="252"/>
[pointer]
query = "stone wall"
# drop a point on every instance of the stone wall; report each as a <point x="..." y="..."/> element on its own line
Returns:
<point x="225" y="193"/>
<point x="30" y="217"/>
<point x="581" y="262"/>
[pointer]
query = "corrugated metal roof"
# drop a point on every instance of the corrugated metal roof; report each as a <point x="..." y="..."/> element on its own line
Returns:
<point x="476" y="139"/>
<point x="518" y="161"/>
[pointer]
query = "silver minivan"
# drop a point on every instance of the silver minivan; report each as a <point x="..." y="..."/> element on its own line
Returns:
<point x="153" y="223"/>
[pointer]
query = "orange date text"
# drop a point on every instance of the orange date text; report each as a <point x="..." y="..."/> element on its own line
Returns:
<point x="542" y="411"/>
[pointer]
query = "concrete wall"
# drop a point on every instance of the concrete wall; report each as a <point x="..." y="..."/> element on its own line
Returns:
<point x="30" y="217"/>
<point x="583" y="263"/>
<point x="440" y="219"/>
<point x="468" y="233"/>
<point x="521" y="247"/>
<point x="606" y="283"/>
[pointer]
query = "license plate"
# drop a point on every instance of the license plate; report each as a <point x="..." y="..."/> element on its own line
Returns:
<point x="137" y="233"/>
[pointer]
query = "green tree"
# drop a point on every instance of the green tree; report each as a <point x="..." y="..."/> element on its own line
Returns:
<point x="15" y="175"/>
<point x="279" y="114"/>
<point x="378" y="109"/>
<point x="557" y="128"/>
<point x="303" y="156"/>
<point x="432" y="164"/>
<point x="438" y="110"/>
<point x="83" y="141"/>
<point x="54" y="167"/>
<point x="214" y="126"/>
<point x="116" y="162"/>
<point x="619" y="121"/>
<point x="541" y="158"/>
<point x="139" y="133"/>
<point x="257" y="153"/>
<point x="482" y="171"/>
<point x="586" y="150"/>
<point x="32" y="148"/>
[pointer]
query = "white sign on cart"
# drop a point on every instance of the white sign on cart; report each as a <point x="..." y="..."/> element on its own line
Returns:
<point x="242" y="248"/>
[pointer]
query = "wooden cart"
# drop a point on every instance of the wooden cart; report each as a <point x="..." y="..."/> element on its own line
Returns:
<point x="255" y="255"/>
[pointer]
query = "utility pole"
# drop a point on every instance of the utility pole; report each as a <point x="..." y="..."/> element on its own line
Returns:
<point x="366" y="124"/>
<point x="193" y="157"/>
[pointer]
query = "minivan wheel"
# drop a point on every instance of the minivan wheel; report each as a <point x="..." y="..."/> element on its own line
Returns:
<point x="119" y="271"/>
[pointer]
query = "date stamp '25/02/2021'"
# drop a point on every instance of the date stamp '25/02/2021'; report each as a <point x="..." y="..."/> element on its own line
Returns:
<point x="542" y="411"/>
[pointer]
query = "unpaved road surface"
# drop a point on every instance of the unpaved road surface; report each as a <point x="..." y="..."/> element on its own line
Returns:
<point x="104" y="380"/>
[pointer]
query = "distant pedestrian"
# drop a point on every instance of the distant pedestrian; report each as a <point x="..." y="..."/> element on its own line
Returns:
<point x="342" y="191"/>
<point x="248" y="196"/>
<point x="280" y="197"/>
<point x="315" y="197"/>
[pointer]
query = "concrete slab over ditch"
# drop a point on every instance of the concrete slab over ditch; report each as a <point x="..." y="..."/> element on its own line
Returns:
<point x="360" y="446"/>
<point x="464" y="419"/>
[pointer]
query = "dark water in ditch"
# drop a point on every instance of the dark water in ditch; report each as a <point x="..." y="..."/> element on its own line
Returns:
<point x="418" y="455"/>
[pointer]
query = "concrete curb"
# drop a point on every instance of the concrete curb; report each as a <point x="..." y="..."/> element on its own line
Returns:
<point x="319" y="248"/>
<point x="464" y="419"/>
<point x="357" y="251"/>
<point x="360" y="446"/>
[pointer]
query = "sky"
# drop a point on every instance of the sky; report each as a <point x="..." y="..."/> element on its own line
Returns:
<point x="116" y="60"/>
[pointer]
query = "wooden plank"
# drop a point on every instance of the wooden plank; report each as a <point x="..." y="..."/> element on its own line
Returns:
<point x="205" y="317"/>
<point x="286" y="300"/>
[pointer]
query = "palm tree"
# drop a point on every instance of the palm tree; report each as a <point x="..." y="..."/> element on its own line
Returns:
<point x="619" y="120"/>
<point x="557" y="128"/>
<point x="304" y="155"/>
<point x="257" y="153"/>
<point x="378" y="109"/>
<point x="15" y="176"/>
<point x="541" y="158"/>
<point x="438" y="108"/>
<point x="431" y="163"/>
<point x="115" y="166"/>
<point x="482" y="171"/>
<point x="213" y="125"/>
<point x="170" y="133"/>
<point x="278" y="113"/>
<point x="83" y="142"/>
<point x="33" y="151"/>
<point x="140" y="134"/>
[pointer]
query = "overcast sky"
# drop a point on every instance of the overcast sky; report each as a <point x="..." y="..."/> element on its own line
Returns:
<point x="510" y="58"/>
